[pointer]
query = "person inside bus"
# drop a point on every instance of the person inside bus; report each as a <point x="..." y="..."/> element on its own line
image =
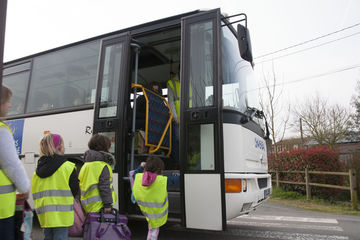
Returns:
<point x="54" y="186"/>
<point x="12" y="173"/>
<point x="41" y="101"/>
<point x="71" y="97"/>
<point x="149" y="190"/>
<point x="96" y="176"/>
<point x="173" y="86"/>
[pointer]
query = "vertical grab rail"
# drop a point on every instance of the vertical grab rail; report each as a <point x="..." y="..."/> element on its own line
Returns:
<point x="137" y="51"/>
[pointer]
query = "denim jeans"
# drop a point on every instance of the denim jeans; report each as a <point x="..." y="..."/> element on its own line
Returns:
<point x="57" y="233"/>
<point x="7" y="228"/>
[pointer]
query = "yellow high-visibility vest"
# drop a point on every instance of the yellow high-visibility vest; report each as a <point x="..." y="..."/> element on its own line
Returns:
<point x="53" y="199"/>
<point x="7" y="192"/>
<point x="89" y="180"/>
<point x="174" y="84"/>
<point x="152" y="200"/>
<point x="194" y="162"/>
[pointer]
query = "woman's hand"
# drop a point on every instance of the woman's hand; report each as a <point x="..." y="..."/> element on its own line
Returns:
<point x="26" y="195"/>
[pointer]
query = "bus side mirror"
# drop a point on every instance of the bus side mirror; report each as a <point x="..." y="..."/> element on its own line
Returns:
<point x="244" y="43"/>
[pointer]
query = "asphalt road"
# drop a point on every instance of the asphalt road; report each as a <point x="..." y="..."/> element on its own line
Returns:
<point x="270" y="221"/>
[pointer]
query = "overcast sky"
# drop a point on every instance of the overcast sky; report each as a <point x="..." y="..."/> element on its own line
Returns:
<point x="38" y="25"/>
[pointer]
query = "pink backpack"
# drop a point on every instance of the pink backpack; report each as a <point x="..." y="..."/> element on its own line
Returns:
<point x="76" y="230"/>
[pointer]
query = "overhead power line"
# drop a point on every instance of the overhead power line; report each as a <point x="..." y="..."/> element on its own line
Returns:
<point x="306" y="49"/>
<point x="311" y="77"/>
<point x="311" y="40"/>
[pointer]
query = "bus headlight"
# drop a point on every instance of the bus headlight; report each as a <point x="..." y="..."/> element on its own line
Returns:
<point x="244" y="185"/>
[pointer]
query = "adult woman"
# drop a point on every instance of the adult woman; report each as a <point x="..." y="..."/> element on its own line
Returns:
<point x="12" y="173"/>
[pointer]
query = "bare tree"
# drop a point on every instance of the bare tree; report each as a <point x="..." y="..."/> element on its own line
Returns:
<point x="324" y="123"/>
<point x="354" y="133"/>
<point x="275" y="111"/>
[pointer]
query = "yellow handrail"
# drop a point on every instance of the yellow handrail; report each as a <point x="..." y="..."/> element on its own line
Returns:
<point x="168" y="125"/>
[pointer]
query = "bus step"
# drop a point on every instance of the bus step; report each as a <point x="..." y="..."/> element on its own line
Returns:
<point x="174" y="202"/>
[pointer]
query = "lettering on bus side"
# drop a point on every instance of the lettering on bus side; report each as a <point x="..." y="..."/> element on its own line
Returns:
<point x="88" y="130"/>
<point x="259" y="144"/>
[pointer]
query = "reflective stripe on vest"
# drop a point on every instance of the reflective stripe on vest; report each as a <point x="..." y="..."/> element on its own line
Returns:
<point x="55" y="208"/>
<point x="7" y="191"/>
<point x="89" y="180"/>
<point x="52" y="193"/>
<point x="152" y="200"/>
<point x="155" y="216"/>
<point x="53" y="200"/>
<point x="153" y="204"/>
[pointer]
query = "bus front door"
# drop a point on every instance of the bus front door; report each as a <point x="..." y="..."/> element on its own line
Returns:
<point x="201" y="144"/>
<point x="111" y="101"/>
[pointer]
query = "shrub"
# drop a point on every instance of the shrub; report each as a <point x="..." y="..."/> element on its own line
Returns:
<point x="319" y="158"/>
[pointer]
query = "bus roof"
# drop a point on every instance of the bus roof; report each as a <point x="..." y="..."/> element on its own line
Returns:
<point x="175" y="19"/>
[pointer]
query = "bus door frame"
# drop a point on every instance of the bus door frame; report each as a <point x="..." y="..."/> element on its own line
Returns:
<point x="203" y="192"/>
<point x="116" y="123"/>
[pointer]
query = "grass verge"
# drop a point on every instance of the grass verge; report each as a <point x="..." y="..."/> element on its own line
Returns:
<point x="295" y="199"/>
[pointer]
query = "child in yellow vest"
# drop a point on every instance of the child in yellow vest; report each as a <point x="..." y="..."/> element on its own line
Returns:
<point x="150" y="192"/>
<point x="54" y="185"/>
<point x="96" y="176"/>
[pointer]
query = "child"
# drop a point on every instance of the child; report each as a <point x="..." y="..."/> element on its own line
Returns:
<point x="53" y="187"/>
<point x="150" y="192"/>
<point x="96" y="176"/>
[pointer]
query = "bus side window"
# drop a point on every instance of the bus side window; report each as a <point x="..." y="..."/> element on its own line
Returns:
<point x="71" y="97"/>
<point x="42" y="101"/>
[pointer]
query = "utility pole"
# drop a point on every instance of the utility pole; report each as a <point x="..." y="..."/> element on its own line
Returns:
<point x="301" y="134"/>
<point x="3" y="6"/>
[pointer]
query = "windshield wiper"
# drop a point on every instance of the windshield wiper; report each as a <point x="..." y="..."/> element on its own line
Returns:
<point x="252" y="112"/>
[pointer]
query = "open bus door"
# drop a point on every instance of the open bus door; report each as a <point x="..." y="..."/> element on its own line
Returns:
<point x="201" y="144"/>
<point x="111" y="98"/>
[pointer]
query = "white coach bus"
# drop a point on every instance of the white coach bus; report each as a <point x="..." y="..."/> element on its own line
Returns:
<point x="89" y="87"/>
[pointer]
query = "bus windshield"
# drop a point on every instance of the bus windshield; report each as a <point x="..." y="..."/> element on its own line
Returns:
<point x="239" y="83"/>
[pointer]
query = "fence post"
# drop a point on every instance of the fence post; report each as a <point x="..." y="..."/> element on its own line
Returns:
<point x="307" y="182"/>
<point x="277" y="178"/>
<point x="353" y="193"/>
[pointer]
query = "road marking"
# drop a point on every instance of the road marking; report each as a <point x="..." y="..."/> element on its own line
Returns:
<point x="283" y="235"/>
<point x="290" y="219"/>
<point x="285" y="225"/>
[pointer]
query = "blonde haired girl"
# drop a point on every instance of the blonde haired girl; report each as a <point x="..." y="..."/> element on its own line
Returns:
<point x="54" y="186"/>
<point x="48" y="143"/>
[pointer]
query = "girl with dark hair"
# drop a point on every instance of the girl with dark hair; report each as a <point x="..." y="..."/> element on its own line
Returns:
<point x="96" y="176"/>
<point x="150" y="192"/>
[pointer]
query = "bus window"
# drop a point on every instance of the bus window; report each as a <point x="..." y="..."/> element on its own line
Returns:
<point x="239" y="83"/>
<point x="64" y="78"/>
<point x="110" y="80"/>
<point x="201" y="147"/>
<point x="201" y="65"/>
<point x="17" y="78"/>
